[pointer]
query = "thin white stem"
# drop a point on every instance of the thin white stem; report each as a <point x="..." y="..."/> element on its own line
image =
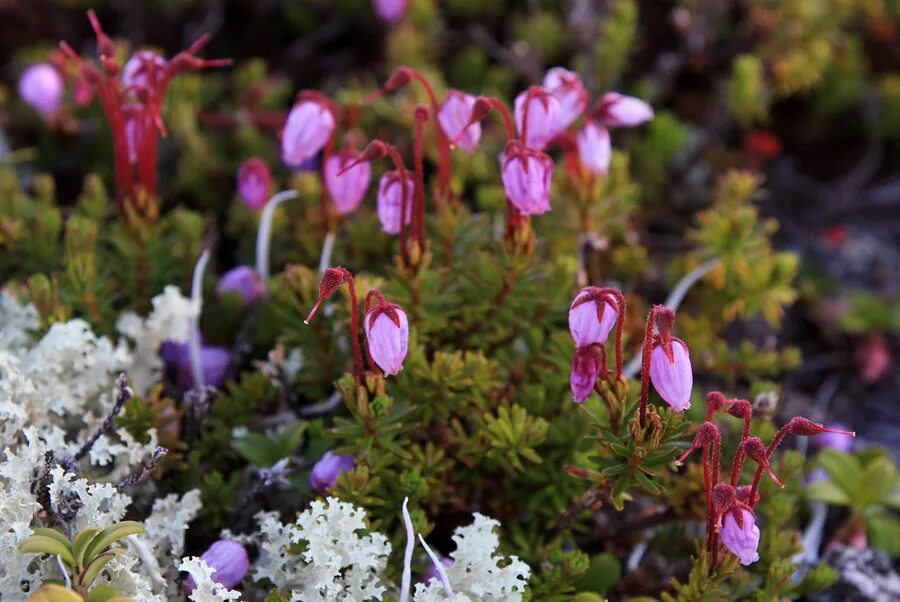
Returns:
<point x="407" y="555"/>
<point x="327" y="247"/>
<point x="264" y="234"/>
<point x="65" y="573"/>
<point x="439" y="567"/>
<point x="194" y="335"/>
<point x="673" y="301"/>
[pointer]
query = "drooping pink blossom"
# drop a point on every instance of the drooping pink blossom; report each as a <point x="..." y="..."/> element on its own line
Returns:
<point x="230" y="561"/>
<point x="543" y="117"/>
<point x="672" y="379"/>
<point x="254" y="183"/>
<point x="567" y="88"/>
<point x="308" y="128"/>
<point x="594" y="147"/>
<point x="41" y="86"/>
<point x="586" y="324"/>
<point x="326" y="471"/>
<point x="618" y="110"/>
<point x="585" y="370"/>
<point x="742" y="540"/>
<point x="391" y="200"/>
<point x="387" y="334"/>
<point x="348" y="189"/>
<point x="244" y="281"/>
<point x="526" y="176"/>
<point x="454" y="117"/>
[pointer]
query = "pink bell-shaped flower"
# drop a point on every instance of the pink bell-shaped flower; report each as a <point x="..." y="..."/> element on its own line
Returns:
<point x="591" y="317"/>
<point x="244" y="281"/>
<point x="594" y="147"/>
<point x="308" y="128"/>
<point x="543" y="117"/>
<point x="526" y="176"/>
<point x="254" y="183"/>
<point x="391" y="200"/>
<point x="742" y="539"/>
<point x="390" y="11"/>
<point x="566" y="87"/>
<point x="230" y="561"/>
<point x="348" y="189"/>
<point x="672" y="378"/>
<point x="585" y="369"/>
<point x="41" y="86"/>
<point x="326" y="471"/>
<point x="454" y="116"/>
<point x="617" y="110"/>
<point x="387" y="333"/>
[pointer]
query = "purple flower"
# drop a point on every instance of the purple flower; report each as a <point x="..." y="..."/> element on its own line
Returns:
<point x="618" y="110"/>
<point x="308" y="128"/>
<point x="586" y="323"/>
<point x="672" y="378"/>
<point x="594" y="147"/>
<point x="229" y="559"/>
<point x="214" y="362"/>
<point x="348" y="189"/>
<point x="585" y="369"/>
<point x="453" y="117"/>
<point x="143" y="70"/>
<point x="742" y="540"/>
<point x="326" y="471"/>
<point x="390" y="11"/>
<point x="390" y="197"/>
<point x="254" y="183"/>
<point x="566" y="87"/>
<point x="543" y="117"/>
<point x="432" y="573"/>
<point x="526" y="176"/>
<point x="840" y="441"/>
<point x="41" y="86"/>
<point x="387" y="333"/>
<point x="244" y="281"/>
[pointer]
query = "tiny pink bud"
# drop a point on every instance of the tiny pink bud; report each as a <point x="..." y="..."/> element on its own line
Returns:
<point x="387" y="333"/>
<point x="244" y="281"/>
<point x="566" y="87"/>
<point x="756" y="451"/>
<point x="41" y="86"/>
<point x="308" y="128"/>
<point x="526" y="176"/>
<point x="543" y="117"/>
<point x="672" y="378"/>
<point x="326" y="471"/>
<point x="591" y="317"/>
<point x="706" y="434"/>
<point x="331" y="280"/>
<point x="230" y="561"/>
<point x="742" y="539"/>
<point x="347" y="187"/>
<point x="585" y="369"/>
<point x="454" y="117"/>
<point x="594" y="147"/>
<point x="390" y="11"/>
<point x="391" y="199"/>
<point x="741" y="408"/>
<point x="715" y="401"/>
<point x="618" y="110"/>
<point x="254" y="183"/>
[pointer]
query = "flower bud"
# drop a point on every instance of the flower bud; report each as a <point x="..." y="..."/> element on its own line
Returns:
<point x="594" y="147"/>
<point x="244" y="281"/>
<point x="526" y="176"/>
<point x="585" y="369"/>
<point x="308" y="128"/>
<point x="566" y="87"/>
<point x="672" y="377"/>
<point x="387" y="333"/>
<point x="390" y="11"/>
<point x="454" y="117"/>
<point x="706" y="434"/>
<point x="591" y="317"/>
<point x="618" y="110"/>
<point x="740" y="535"/>
<point x="326" y="471"/>
<point x="230" y="561"/>
<point x="41" y="86"/>
<point x="391" y="199"/>
<point x="254" y="183"/>
<point x="741" y="408"/>
<point x="543" y="117"/>
<point x="348" y="189"/>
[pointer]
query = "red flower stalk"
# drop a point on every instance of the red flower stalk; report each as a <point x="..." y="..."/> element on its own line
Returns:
<point x="418" y="220"/>
<point x="135" y="105"/>
<point x="331" y="280"/>
<point x="401" y="78"/>
<point x="740" y="408"/>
